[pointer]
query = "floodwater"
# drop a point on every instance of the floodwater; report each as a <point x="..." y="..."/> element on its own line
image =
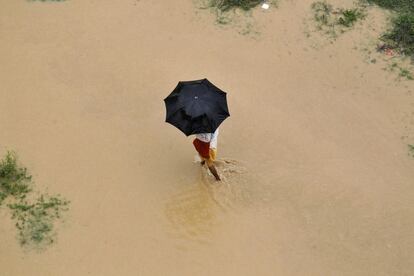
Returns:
<point x="317" y="176"/>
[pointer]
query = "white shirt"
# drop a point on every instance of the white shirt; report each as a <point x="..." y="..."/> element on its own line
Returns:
<point x="209" y="138"/>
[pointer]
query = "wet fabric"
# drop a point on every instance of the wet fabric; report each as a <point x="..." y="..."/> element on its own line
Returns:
<point x="209" y="138"/>
<point x="203" y="148"/>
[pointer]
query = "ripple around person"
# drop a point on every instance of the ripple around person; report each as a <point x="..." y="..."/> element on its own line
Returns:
<point x="198" y="209"/>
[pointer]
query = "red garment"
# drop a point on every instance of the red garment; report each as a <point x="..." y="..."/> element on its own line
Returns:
<point x="202" y="148"/>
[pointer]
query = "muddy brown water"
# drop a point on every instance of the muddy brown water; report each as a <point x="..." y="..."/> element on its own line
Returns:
<point x="317" y="179"/>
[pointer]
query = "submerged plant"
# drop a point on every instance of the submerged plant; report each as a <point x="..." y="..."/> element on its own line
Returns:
<point x="330" y="19"/>
<point x="402" y="72"/>
<point x="348" y="17"/>
<point x="322" y="12"/>
<point x="397" y="5"/>
<point x="236" y="14"/>
<point x="14" y="180"/>
<point x="405" y="73"/>
<point x="401" y="36"/>
<point x="35" y="220"/>
<point x="411" y="150"/>
<point x="226" y="5"/>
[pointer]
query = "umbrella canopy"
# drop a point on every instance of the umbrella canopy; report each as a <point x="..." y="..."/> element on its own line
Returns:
<point x="196" y="107"/>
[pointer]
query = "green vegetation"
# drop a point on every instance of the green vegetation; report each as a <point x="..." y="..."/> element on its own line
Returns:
<point x="237" y="14"/>
<point x="397" y="5"/>
<point x="401" y="35"/>
<point x="405" y="73"/>
<point x="348" y="17"/>
<point x="226" y="5"/>
<point x="14" y="181"/>
<point x="402" y="72"/>
<point x="322" y="13"/>
<point x="411" y="150"/>
<point x="34" y="218"/>
<point x="399" y="39"/>
<point x="330" y="19"/>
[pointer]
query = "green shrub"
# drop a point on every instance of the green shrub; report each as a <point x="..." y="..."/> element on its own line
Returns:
<point x="322" y="12"/>
<point x="14" y="180"/>
<point x="225" y="5"/>
<point x="397" y="5"/>
<point x="333" y="20"/>
<point x="401" y="36"/>
<point x="35" y="221"/>
<point x="348" y="17"/>
<point x="411" y="150"/>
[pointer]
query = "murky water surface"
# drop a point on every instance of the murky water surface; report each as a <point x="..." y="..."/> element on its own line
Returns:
<point x="316" y="177"/>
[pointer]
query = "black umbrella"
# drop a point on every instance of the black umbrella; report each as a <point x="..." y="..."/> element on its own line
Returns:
<point x="196" y="107"/>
